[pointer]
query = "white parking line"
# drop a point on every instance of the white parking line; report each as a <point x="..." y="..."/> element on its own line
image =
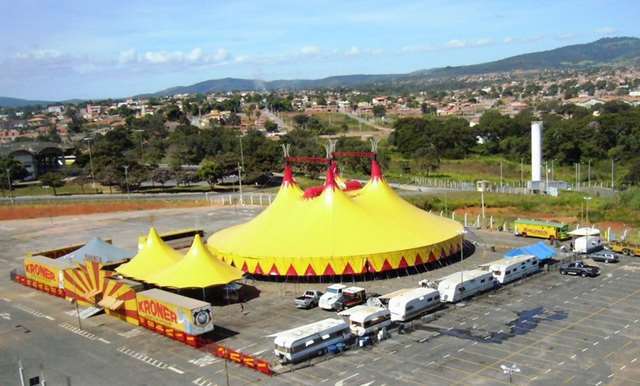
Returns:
<point x="634" y="360"/>
<point x="175" y="370"/>
<point x="596" y="343"/>
<point x="585" y="349"/>
<point x="7" y="300"/>
<point x="104" y="341"/>
<point x="623" y="367"/>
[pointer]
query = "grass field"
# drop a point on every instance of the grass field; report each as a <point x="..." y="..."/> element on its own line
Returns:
<point x="569" y="207"/>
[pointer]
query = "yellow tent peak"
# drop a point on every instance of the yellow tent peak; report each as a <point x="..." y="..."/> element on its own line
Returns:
<point x="198" y="269"/>
<point x="155" y="256"/>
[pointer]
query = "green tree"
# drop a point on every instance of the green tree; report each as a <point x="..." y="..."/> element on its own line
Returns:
<point x="53" y="180"/>
<point x="379" y="111"/>
<point x="211" y="171"/>
<point x="270" y="126"/>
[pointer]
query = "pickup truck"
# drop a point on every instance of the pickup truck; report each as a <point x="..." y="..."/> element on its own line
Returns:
<point x="308" y="300"/>
<point x="579" y="268"/>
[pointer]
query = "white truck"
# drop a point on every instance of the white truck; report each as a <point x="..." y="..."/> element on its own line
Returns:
<point x="463" y="284"/>
<point x="309" y="299"/>
<point x="339" y="297"/>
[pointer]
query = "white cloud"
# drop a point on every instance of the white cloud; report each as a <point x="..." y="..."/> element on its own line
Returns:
<point x="455" y="43"/>
<point x="197" y="56"/>
<point x="40" y="54"/>
<point x="507" y="40"/>
<point x="310" y="50"/>
<point x="127" y="56"/>
<point x="353" y="51"/>
<point x="482" y="42"/>
<point x="605" y="30"/>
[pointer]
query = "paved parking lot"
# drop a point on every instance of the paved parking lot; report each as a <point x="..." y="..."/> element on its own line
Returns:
<point x="555" y="329"/>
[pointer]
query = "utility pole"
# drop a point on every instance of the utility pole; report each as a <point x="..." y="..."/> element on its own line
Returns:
<point x="553" y="171"/>
<point x="501" y="175"/>
<point x="126" y="179"/>
<point x="521" y="172"/>
<point x="93" y="178"/>
<point x="612" y="174"/>
<point x="8" y="171"/>
<point x="240" y="169"/>
<point x="482" y="201"/>
<point x="140" y="131"/>
<point x="546" y="173"/>
<point x="589" y="173"/>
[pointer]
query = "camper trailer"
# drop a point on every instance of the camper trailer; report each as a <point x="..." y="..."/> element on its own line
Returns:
<point x="409" y="303"/>
<point x="311" y="340"/>
<point x="587" y="244"/>
<point x="367" y="320"/>
<point x="463" y="284"/>
<point x="511" y="269"/>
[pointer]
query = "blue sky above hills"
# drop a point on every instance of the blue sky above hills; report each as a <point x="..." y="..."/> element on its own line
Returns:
<point x="68" y="49"/>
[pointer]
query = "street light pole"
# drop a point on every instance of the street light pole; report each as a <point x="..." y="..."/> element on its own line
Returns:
<point x="240" y="169"/>
<point x="126" y="179"/>
<point x="93" y="178"/>
<point x="8" y="171"/>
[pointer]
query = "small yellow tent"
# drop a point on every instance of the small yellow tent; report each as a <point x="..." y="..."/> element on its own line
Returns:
<point x="154" y="256"/>
<point x="198" y="269"/>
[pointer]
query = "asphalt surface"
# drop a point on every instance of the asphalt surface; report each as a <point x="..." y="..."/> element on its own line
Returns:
<point x="556" y="329"/>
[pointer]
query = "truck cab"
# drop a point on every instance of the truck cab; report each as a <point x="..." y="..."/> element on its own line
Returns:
<point x="329" y="299"/>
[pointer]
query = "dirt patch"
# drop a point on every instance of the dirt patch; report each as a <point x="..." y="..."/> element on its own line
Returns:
<point x="20" y="212"/>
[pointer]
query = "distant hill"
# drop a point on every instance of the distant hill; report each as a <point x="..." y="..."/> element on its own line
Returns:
<point x="15" y="102"/>
<point x="606" y="51"/>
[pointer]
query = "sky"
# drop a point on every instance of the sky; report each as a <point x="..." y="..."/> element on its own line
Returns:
<point x="57" y="50"/>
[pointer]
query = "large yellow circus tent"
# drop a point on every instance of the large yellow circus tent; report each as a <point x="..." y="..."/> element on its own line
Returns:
<point x="154" y="256"/>
<point x="198" y="269"/>
<point x="337" y="232"/>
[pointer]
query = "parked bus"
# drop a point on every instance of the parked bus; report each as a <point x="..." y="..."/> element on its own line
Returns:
<point x="511" y="269"/>
<point x="463" y="284"/>
<point x="541" y="229"/>
<point x="409" y="303"/>
<point x="310" y="340"/>
<point x="367" y="320"/>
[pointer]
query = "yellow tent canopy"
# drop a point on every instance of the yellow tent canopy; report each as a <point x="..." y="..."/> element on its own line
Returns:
<point x="371" y="229"/>
<point x="154" y="256"/>
<point x="198" y="269"/>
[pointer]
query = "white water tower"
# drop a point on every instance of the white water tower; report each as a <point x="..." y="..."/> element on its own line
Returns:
<point x="536" y="151"/>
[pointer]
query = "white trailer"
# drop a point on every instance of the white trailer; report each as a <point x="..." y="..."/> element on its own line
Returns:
<point x="463" y="284"/>
<point x="587" y="244"/>
<point x="366" y="320"/>
<point x="409" y="303"/>
<point x="310" y="340"/>
<point x="507" y="270"/>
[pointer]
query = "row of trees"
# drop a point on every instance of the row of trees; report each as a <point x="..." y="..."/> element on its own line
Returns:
<point x="571" y="135"/>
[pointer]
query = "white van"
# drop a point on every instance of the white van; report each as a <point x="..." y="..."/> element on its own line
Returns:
<point x="508" y="270"/>
<point x="366" y="320"/>
<point x="461" y="285"/>
<point x="409" y="303"/>
<point x="311" y="340"/>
